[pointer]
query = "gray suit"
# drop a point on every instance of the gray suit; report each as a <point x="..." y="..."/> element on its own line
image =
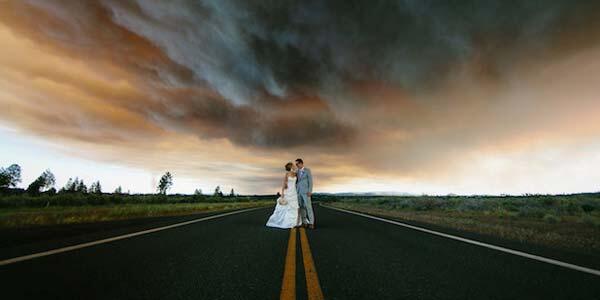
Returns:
<point x="304" y="185"/>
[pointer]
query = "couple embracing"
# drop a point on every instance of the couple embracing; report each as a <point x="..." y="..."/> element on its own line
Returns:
<point x="294" y="207"/>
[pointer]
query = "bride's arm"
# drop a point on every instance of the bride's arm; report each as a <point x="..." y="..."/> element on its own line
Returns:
<point x="284" y="183"/>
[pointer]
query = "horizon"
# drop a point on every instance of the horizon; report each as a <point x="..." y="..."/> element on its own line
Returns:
<point x="436" y="99"/>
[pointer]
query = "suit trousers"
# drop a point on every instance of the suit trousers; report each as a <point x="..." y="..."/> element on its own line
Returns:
<point x="306" y="209"/>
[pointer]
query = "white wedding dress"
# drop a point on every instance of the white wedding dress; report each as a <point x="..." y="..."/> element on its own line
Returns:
<point x="286" y="215"/>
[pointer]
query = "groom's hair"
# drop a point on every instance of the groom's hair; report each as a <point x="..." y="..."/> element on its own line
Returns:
<point x="288" y="166"/>
<point x="299" y="160"/>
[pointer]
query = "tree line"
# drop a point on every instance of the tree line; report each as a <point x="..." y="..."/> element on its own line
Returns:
<point x="10" y="177"/>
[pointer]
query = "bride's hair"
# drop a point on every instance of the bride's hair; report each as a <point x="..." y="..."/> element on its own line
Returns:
<point x="288" y="166"/>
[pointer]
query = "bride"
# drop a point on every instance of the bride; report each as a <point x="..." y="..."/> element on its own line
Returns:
<point x="287" y="213"/>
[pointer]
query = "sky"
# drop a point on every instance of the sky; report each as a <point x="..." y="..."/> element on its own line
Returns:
<point x="422" y="97"/>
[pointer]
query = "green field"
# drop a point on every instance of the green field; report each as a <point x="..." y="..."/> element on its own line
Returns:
<point x="26" y="217"/>
<point x="570" y="222"/>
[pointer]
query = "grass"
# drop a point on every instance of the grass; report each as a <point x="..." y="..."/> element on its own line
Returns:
<point x="52" y="215"/>
<point x="20" y="200"/>
<point x="569" y="222"/>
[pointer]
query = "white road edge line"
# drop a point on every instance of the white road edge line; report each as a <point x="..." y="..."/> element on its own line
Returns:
<point x="490" y="246"/>
<point x="120" y="237"/>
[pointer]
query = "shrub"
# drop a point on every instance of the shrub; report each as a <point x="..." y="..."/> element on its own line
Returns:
<point x="551" y="218"/>
<point x="587" y="208"/>
<point x="382" y="201"/>
<point x="471" y="204"/>
<point x="572" y="208"/>
<point x="549" y="201"/>
<point x="528" y="211"/>
<point x="503" y="213"/>
<point x="591" y="220"/>
<point x="80" y="199"/>
<point x="427" y="204"/>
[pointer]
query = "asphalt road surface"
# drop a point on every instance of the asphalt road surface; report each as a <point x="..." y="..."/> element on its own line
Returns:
<point x="237" y="257"/>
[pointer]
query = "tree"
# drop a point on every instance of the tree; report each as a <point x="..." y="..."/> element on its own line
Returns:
<point x="49" y="179"/>
<point x="81" y="187"/>
<point x="165" y="183"/>
<point x="10" y="176"/>
<point x="45" y="181"/>
<point x="119" y="190"/>
<point x="75" y="186"/>
<point x="96" y="188"/>
<point x="36" y="186"/>
<point x="198" y="192"/>
<point x="68" y="187"/>
<point x="218" y="191"/>
<point x="232" y="193"/>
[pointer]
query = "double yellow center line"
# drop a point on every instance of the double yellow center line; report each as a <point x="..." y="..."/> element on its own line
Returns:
<point x="288" y="286"/>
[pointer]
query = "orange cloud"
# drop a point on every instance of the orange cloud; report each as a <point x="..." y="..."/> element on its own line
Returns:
<point x="116" y="94"/>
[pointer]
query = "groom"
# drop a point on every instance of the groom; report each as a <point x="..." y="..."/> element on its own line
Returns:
<point x="304" y="187"/>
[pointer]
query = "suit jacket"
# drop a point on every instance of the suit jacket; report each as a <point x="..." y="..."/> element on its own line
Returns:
<point x="305" y="182"/>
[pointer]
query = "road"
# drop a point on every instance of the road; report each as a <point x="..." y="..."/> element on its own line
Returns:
<point x="237" y="257"/>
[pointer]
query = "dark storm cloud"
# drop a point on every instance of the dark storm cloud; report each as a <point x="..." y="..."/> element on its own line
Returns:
<point x="399" y="90"/>
<point x="245" y="49"/>
<point x="275" y="73"/>
<point x="84" y="29"/>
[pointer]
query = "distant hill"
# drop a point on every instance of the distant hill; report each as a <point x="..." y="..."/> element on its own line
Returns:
<point x="366" y="194"/>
